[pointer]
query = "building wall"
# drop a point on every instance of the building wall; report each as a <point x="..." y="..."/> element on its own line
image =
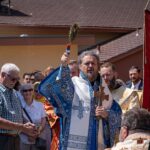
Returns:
<point x="123" y="65"/>
<point x="43" y="46"/>
<point x="33" y="57"/>
<point x="94" y="36"/>
<point x="17" y="30"/>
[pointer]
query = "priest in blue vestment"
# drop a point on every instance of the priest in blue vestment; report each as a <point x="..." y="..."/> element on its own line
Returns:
<point x="89" y="118"/>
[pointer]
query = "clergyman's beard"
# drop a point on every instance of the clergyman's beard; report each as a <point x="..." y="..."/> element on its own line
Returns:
<point x="91" y="76"/>
<point x="112" y="84"/>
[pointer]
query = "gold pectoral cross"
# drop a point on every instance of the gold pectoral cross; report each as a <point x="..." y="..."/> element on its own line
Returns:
<point x="100" y="95"/>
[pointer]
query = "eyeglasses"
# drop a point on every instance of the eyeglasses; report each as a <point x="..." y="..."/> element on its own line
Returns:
<point x="27" y="78"/>
<point x="13" y="79"/>
<point x="27" y="90"/>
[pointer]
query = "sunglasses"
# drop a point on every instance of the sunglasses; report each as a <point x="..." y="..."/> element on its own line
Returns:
<point x="13" y="79"/>
<point x="28" y="90"/>
<point x="36" y="91"/>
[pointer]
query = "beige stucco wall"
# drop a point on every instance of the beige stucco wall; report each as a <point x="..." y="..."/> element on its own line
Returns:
<point x="30" y="58"/>
<point x="45" y="48"/>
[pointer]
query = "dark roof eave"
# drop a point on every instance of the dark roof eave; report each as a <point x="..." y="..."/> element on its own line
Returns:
<point x="107" y="29"/>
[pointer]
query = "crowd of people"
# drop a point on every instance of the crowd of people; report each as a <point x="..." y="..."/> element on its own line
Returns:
<point x="80" y="105"/>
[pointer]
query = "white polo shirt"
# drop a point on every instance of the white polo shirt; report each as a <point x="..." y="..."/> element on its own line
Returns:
<point x="36" y="112"/>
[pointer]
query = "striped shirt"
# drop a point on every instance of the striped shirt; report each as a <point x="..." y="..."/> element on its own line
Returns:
<point x="10" y="108"/>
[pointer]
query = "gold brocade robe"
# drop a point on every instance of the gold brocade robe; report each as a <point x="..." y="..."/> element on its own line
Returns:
<point x="127" y="98"/>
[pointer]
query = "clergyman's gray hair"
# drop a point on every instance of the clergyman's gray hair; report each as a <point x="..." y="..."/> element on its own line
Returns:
<point x="137" y="118"/>
<point x="88" y="53"/>
<point x="9" y="67"/>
